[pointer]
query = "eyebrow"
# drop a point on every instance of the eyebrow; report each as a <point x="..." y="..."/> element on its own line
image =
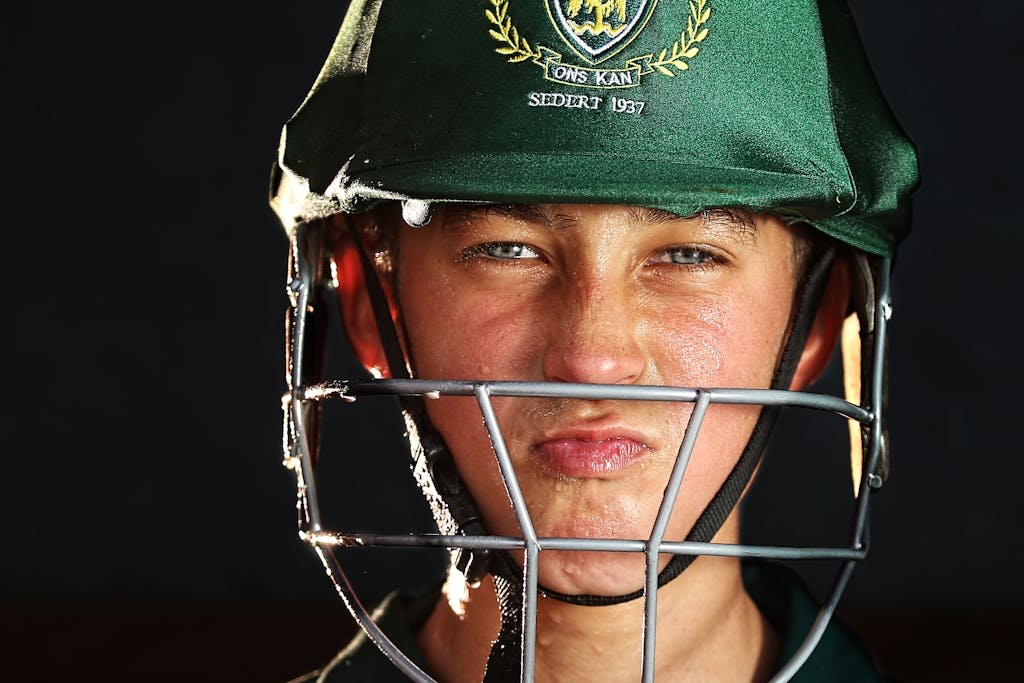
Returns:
<point x="736" y="221"/>
<point x="456" y="214"/>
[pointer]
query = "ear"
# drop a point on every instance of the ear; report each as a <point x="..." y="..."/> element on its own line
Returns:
<point x="356" y="310"/>
<point x="826" y="328"/>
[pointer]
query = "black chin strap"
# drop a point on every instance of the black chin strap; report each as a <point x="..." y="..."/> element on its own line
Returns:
<point x="433" y="465"/>
<point x="504" y="662"/>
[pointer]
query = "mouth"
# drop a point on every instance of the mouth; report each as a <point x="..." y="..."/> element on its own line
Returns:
<point x="589" y="455"/>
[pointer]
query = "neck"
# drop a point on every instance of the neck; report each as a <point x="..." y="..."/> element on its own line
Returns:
<point x="708" y="629"/>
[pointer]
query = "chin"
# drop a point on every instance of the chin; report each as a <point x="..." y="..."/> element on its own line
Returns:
<point x="592" y="573"/>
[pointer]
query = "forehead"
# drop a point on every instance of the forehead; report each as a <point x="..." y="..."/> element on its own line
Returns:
<point x="735" y="223"/>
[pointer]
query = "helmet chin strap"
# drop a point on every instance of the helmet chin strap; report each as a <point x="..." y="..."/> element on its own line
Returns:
<point x="455" y="512"/>
<point x="434" y="468"/>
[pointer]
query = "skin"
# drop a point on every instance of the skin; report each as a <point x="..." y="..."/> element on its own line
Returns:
<point x="609" y="295"/>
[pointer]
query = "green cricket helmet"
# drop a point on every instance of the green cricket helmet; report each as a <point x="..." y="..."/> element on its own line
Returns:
<point x="680" y="105"/>
<point x="689" y="105"/>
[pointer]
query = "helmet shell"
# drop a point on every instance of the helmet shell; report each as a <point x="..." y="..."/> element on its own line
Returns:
<point x="677" y="105"/>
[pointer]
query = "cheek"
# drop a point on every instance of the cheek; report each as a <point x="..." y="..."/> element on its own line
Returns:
<point x="723" y="341"/>
<point x="707" y="345"/>
<point x="684" y="347"/>
<point x="748" y="337"/>
<point x="461" y="423"/>
<point x="456" y="335"/>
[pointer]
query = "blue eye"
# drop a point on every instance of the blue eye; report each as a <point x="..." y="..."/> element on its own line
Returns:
<point x="686" y="256"/>
<point x="508" y="250"/>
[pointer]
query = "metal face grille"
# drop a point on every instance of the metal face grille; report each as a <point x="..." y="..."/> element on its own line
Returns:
<point x="299" y="403"/>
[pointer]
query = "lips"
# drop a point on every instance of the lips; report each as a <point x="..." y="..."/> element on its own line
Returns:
<point x="581" y="457"/>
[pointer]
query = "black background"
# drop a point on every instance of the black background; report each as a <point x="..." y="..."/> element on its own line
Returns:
<point x="148" y="528"/>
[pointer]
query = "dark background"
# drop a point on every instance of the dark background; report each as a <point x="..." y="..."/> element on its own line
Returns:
<point x="148" y="528"/>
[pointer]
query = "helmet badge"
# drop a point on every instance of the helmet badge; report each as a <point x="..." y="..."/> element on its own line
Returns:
<point x="596" y="30"/>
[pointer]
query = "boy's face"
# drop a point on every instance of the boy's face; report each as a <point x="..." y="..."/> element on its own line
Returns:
<point x="594" y="294"/>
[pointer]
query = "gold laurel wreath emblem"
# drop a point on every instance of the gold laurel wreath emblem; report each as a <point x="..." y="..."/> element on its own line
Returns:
<point x="686" y="47"/>
<point x="518" y="49"/>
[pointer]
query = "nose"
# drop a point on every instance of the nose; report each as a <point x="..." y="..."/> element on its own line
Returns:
<point x="594" y="336"/>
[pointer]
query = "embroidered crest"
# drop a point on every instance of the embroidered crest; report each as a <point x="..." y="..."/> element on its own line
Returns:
<point x="597" y="30"/>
